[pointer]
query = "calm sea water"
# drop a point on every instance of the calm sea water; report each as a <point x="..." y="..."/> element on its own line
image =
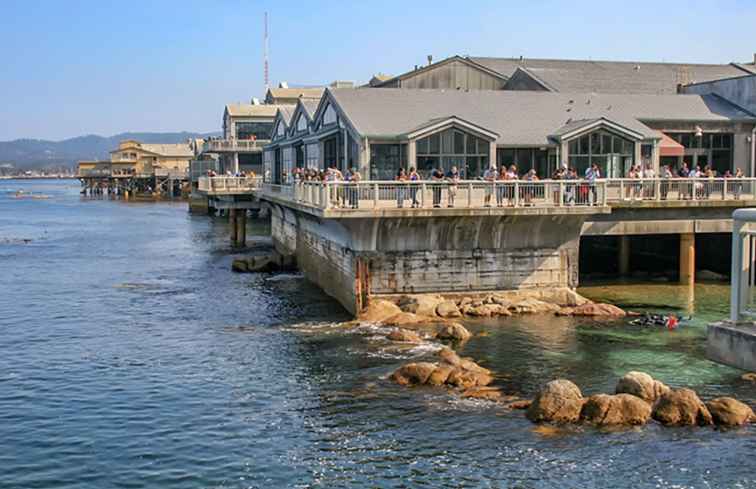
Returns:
<point x="130" y="356"/>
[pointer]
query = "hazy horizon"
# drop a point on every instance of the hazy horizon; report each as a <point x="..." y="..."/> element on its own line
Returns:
<point x="80" y="68"/>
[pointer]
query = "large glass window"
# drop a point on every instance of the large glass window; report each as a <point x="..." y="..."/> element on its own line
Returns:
<point x="452" y="147"/>
<point x="254" y="130"/>
<point x="525" y="159"/>
<point x="386" y="159"/>
<point x="612" y="153"/>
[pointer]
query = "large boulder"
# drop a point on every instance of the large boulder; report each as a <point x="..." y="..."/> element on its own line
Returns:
<point x="749" y="377"/>
<point x="482" y="311"/>
<point x="413" y="373"/>
<point x="404" y="319"/>
<point x="531" y="305"/>
<point x="464" y="379"/>
<point x="726" y="411"/>
<point x="440" y="375"/>
<point x="619" y="409"/>
<point x="404" y="335"/>
<point x="681" y="407"/>
<point x="559" y="401"/>
<point x="486" y="393"/>
<point x="641" y="385"/>
<point x="453" y="332"/>
<point x="379" y="310"/>
<point x="448" y="309"/>
<point x="448" y="356"/>
<point x="598" y="309"/>
<point x="422" y="305"/>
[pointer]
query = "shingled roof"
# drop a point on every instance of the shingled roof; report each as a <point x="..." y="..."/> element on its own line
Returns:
<point x="521" y="118"/>
<point x="252" y="110"/>
<point x="563" y="75"/>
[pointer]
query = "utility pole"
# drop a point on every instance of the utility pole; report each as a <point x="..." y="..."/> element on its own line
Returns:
<point x="265" y="47"/>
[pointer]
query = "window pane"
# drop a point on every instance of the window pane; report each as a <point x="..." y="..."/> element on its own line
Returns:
<point x="447" y="142"/>
<point x="573" y="147"/>
<point x="422" y="146"/>
<point x="596" y="143"/>
<point x="584" y="145"/>
<point x="459" y="143"/>
<point x="606" y="144"/>
<point x="435" y="144"/>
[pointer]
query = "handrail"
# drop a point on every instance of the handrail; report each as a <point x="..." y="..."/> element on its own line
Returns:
<point x="424" y="194"/>
<point x="228" y="184"/>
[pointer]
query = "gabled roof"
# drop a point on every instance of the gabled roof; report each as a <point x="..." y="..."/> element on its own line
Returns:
<point x="565" y="75"/>
<point x="179" y="150"/>
<point x="439" y="123"/>
<point x="572" y="128"/>
<point x="286" y="111"/>
<point x="520" y="118"/>
<point x="301" y="93"/>
<point x="309" y="107"/>
<point x="467" y="61"/>
<point x="251" y="110"/>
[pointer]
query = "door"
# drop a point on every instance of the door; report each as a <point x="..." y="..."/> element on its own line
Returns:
<point x="277" y="167"/>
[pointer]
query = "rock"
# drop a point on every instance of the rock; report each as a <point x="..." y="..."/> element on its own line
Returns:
<point x="571" y="298"/>
<point x="501" y="301"/>
<point x="681" y="407"/>
<point x="454" y="332"/>
<point x="619" y="409"/>
<point x="598" y="309"/>
<point x="464" y="379"/>
<point x="559" y="401"/>
<point x="726" y="411"/>
<point x="448" y="356"/>
<point x="379" y="310"/>
<point x="403" y="319"/>
<point x="413" y="373"/>
<point x="533" y="306"/>
<point x="749" y="377"/>
<point x="712" y="276"/>
<point x="448" y="309"/>
<point x="523" y="404"/>
<point x="422" y="305"/>
<point x="482" y="311"/>
<point x="565" y="311"/>
<point x="641" y="385"/>
<point x="404" y="335"/>
<point x="239" y="266"/>
<point x="440" y="375"/>
<point x="486" y="393"/>
<point x="464" y="301"/>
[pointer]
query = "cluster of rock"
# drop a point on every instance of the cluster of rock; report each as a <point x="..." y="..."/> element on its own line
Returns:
<point x="638" y="398"/>
<point x="267" y="263"/>
<point x="426" y="307"/>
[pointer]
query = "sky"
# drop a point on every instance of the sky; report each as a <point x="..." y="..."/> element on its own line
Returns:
<point x="70" y="68"/>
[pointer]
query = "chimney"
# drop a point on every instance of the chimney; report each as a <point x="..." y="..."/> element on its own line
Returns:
<point x="430" y="59"/>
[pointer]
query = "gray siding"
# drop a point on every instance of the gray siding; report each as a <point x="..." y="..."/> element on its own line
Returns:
<point x="452" y="75"/>
<point x="521" y="81"/>
<point x="740" y="91"/>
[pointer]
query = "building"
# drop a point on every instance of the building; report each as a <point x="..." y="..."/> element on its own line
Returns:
<point x="379" y="131"/>
<point x="283" y="95"/>
<point x="135" y="158"/>
<point x="560" y="75"/>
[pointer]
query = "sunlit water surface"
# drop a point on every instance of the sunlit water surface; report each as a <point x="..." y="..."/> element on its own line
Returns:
<point x="130" y="356"/>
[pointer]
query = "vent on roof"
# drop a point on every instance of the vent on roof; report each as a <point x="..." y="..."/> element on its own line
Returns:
<point x="636" y="67"/>
<point x="255" y="101"/>
<point x="283" y="84"/>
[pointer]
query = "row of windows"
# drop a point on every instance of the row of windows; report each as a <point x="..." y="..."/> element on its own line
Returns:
<point x="705" y="141"/>
<point x="452" y="142"/>
<point x="600" y="143"/>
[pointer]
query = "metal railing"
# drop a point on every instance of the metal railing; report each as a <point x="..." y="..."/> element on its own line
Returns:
<point x="219" y="145"/>
<point x="743" y="276"/>
<point x="228" y="184"/>
<point x="434" y="194"/>
<point x="680" y="189"/>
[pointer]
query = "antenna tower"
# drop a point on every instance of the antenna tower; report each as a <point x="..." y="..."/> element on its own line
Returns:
<point x="265" y="62"/>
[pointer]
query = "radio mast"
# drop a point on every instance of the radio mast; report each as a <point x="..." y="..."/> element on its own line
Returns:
<point x="265" y="48"/>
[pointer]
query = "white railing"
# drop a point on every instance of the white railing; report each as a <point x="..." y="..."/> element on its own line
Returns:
<point x="214" y="145"/>
<point x="743" y="277"/>
<point x="228" y="184"/>
<point x="433" y="194"/>
<point x="680" y="189"/>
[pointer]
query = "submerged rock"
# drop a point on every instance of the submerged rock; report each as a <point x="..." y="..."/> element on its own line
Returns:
<point x="618" y="409"/>
<point x="726" y="411"/>
<point x="422" y="305"/>
<point x="485" y="393"/>
<point x="559" y="401"/>
<point x="522" y="404"/>
<point x="641" y="385"/>
<point x="681" y="407"/>
<point x="598" y="309"/>
<point x="749" y="377"/>
<point x="413" y="373"/>
<point x="533" y="306"/>
<point x="454" y="332"/>
<point x="273" y="262"/>
<point x="404" y="335"/>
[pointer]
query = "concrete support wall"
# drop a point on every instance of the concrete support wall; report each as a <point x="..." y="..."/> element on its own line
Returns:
<point x="687" y="258"/>
<point x="430" y="254"/>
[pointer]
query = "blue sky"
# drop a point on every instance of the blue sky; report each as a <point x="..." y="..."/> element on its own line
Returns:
<point x="92" y="67"/>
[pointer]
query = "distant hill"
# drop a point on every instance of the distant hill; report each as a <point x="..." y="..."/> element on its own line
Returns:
<point x="30" y="154"/>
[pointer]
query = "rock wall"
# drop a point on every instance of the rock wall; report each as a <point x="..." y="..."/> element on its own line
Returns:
<point x="430" y="254"/>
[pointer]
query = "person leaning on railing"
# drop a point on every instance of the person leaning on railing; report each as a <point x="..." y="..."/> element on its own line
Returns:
<point x="437" y="176"/>
<point x="401" y="179"/>
<point x="592" y="173"/>
<point x="453" y="179"/>
<point x="353" y="188"/>
<point x="665" y="174"/>
<point x="413" y="178"/>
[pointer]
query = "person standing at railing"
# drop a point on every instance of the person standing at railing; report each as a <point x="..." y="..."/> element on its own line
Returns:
<point x="570" y="187"/>
<point x="686" y="188"/>
<point x="739" y="185"/>
<point x="592" y="173"/>
<point x="709" y="174"/>
<point x="530" y="188"/>
<point x="353" y="189"/>
<point x="490" y="178"/>
<point x="453" y="179"/>
<point x="413" y="178"/>
<point x="557" y="176"/>
<point x="501" y="186"/>
<point x="649" y="174"/>
<point x="666" y="174"/>
<point x="510" y="187"/>
<point x="437" y="177"/>
<point x="401" y="179"/>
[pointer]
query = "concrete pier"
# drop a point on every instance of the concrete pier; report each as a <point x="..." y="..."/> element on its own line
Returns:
<point x="687" y="258"/>
<point x="733" y="344"/>
<point x="624" y="256"/>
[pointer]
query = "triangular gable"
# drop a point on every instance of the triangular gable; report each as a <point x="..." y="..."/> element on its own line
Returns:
<point x="443" y="123"/>
<point x="574" y="129"/>
<point x="279" y="126"/>
<point x="437" y="64"/>
<point x="521" y="71"/>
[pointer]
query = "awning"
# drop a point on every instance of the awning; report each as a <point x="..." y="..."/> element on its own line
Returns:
<point x="670" y="147"/>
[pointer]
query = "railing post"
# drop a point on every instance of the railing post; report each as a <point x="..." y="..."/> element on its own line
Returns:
<point x="328" y="190"/>
<point x="422" y="196"/>
<point x="622" y="189"/>
<point x="724" y="189"/>
<point x="561" y="194"/>
<point x="517" y="194"/>
<point x="469" y="194"/>
<point x="657" y="188"/>
<point x="605" y="196"/>
<point x="375" y="196"/>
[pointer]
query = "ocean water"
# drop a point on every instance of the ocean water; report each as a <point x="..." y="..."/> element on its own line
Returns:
<point x="130" y="356"/>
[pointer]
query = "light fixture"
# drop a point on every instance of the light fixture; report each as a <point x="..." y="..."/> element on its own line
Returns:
<point x="699" y="131"/>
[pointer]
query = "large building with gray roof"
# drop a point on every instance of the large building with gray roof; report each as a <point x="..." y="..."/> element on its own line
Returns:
<point x="381" y="130"/>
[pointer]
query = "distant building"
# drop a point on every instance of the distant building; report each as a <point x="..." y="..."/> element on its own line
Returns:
<point x="135" y="159"/>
